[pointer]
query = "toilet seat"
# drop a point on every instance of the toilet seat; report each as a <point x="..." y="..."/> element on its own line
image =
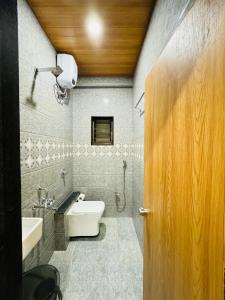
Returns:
<point x="87" y="207"/>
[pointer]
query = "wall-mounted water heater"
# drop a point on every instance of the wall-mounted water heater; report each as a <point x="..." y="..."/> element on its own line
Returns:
<point x="66" y="73"/>
<point x="68" y="78"/>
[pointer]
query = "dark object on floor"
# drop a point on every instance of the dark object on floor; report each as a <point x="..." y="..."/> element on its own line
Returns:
<point x="42" y="283"/>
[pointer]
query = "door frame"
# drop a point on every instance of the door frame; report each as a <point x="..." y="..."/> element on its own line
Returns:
<point x="10" y="187"/>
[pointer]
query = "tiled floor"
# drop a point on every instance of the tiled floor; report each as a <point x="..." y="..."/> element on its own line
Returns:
<point x="108" y="267"/>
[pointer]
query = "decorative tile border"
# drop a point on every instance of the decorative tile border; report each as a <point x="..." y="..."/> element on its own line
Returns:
<point x="38" y="151"/>
<point x="134" y="150"/>
<point x="102" y="151"/>
<point x="138" y="151"/>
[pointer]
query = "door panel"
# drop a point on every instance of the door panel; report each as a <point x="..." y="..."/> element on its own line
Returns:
<point x="185" y="162"/>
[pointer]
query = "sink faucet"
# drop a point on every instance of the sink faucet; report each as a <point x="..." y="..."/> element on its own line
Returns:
<point x="41" y="198"/>
<point x="44" y="201"/>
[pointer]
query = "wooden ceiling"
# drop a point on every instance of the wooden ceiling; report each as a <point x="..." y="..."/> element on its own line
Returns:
<point x="124" y="26"/>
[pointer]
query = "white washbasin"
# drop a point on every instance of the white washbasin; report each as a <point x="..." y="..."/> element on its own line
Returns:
<point x="31" y="233"/>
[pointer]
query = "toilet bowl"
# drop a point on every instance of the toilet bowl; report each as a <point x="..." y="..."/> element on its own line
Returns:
<point x="84" y="217"/>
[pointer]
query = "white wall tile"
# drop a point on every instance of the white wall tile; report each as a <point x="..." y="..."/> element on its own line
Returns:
<point x="99" y="168"/>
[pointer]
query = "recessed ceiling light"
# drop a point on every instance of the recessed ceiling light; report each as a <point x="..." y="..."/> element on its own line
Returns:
<point x="94" y="27"/>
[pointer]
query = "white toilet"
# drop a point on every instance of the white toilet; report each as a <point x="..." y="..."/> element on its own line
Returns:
<point x="84" y="218"/>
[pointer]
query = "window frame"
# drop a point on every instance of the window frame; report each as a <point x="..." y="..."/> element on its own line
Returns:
<point x="93" y="125"/>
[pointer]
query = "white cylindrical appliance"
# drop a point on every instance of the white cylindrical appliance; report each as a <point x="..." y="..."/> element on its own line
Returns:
<point x="68" y="78"/>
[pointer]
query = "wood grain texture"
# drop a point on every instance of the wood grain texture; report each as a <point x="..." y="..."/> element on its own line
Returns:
<point x="125" y="24"/>
<point x="185" y="162"/>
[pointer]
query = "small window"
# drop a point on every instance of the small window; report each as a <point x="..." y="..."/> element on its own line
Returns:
<point x="102" y="130"/>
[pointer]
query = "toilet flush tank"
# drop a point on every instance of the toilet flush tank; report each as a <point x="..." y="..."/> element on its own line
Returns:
<point x="68" y="78"/>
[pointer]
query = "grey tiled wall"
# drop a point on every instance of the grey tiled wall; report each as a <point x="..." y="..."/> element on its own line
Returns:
<point x="164" y="21"/>
<point x="98" y="170"/>
<point x="46" y="130"/>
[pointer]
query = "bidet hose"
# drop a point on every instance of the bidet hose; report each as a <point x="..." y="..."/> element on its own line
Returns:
<point x="121" y="209"/>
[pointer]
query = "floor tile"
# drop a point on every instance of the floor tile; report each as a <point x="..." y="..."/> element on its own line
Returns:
<point x="107" y="267"/>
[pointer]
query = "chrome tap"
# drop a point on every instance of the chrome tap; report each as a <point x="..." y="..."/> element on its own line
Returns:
<point x="44" y="201"/>
<point x="124" y="164"/>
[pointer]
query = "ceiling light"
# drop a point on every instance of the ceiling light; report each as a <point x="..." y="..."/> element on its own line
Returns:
<point x="94" y="27"/>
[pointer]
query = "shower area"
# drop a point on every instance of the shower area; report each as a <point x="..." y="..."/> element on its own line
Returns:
<point x="103" y="171"/>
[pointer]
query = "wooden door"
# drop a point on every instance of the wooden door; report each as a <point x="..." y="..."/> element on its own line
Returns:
<point x="185" y="161"/>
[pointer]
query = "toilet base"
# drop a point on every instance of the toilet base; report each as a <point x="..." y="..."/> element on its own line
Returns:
<point x="79" y="228"/>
